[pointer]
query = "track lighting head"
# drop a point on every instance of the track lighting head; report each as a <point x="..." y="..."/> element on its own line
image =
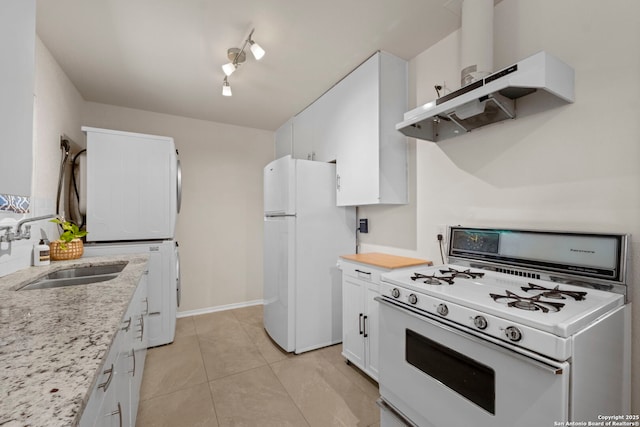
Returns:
<point x="257" y="51"/>
<point x="228" y="68"/>
<point x="226" y="88"/>
<point x="237" y="58"/>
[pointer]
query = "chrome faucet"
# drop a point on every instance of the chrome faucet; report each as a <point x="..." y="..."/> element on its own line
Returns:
<point x="20" y="234"/>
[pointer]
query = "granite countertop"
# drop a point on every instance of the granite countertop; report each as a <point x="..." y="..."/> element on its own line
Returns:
<point x="385" y="260"/>
<point x="53" y="341"/>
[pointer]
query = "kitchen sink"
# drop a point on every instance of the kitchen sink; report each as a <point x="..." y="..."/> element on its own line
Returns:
<point x="76" y="276"/>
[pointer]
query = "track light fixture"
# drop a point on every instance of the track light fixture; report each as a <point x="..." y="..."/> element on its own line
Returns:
<point x="238" y="57"/>
<point x="226" y="88"/>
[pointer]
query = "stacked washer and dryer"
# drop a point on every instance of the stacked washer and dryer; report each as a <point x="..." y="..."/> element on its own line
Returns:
<point x="130" y="194"/>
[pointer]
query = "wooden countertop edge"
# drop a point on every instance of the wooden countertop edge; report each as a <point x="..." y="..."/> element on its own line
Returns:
<point x="385" y="260"/>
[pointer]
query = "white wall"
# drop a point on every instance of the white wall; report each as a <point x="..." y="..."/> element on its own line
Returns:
<point x="573" y="167"/>
<point x="220" y="226"/>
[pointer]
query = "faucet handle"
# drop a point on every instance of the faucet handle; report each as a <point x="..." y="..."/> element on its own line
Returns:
<point x="27" y="232"/>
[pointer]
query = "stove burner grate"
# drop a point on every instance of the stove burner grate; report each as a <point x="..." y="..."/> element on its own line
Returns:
<point x="467" y="274"/>
<point x="555" y="293"/>
<point x="447" y="276"/>
<point x="528" y="303"/>
<point x="433" y="279"/>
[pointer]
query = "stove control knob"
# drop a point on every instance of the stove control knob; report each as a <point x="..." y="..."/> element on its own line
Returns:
<point x="513" y="333"/>
<point x="443" y="310"/>
<point x="480" y="322"/>
<point x="413" y="299"/>
<point x="395" y="292"/>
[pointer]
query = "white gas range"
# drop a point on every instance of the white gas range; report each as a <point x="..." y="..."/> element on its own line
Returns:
<point x="520" y="328"/>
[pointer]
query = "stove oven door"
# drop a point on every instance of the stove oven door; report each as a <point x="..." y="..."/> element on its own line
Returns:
<point x="437" y="375"/>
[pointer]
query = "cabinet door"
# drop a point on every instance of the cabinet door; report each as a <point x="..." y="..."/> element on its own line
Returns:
<point x="358" y="163"/>
<point x="371" y="341"/>
<point x="353" y="320"/>
<point x="284" y="139"/>
<point x="303" y="133"/>
<point x="329" y="115"/>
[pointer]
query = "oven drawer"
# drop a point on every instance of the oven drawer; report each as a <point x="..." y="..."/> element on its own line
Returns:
<point x="391" y="417"/>
<point x="478" y="383"/>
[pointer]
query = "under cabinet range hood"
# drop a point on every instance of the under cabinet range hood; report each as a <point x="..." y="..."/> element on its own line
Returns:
<point x="489" y="100"/>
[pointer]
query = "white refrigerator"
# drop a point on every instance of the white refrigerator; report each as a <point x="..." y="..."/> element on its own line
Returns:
<point x="304" y="234"/>
<point x="131" y="194"/>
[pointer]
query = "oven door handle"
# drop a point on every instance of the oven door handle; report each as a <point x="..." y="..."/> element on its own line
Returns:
<point x="546" y="366"/>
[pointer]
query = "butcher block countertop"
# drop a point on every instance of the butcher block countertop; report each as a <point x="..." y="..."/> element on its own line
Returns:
<point x="53" y="341"/>
<point x="385" y="260"/>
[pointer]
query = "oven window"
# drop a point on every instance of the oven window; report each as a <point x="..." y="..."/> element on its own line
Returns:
<point x="460" y="373"/>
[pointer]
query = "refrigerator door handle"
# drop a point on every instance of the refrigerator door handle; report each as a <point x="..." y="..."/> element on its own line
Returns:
<point x="179" y="184"/>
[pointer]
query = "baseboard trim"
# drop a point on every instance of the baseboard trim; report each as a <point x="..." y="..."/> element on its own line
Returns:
<point x="226" y="307"/>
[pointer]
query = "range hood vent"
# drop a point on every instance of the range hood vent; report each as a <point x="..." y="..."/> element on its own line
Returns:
<point x="489" y="100"/>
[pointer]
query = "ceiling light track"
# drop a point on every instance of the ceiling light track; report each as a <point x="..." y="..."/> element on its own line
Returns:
<point x="238" y="57"/>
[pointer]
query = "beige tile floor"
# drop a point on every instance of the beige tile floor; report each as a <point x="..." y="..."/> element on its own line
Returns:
<point x="223" y="370"/>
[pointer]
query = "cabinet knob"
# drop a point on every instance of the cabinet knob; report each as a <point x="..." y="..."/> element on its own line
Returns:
<point x="128" y="322"/>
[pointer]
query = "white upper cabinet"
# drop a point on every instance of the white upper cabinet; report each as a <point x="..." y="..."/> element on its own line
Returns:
<point x="353" y="124"/>
<point x="17" y="45"/>
<point x="284" y="139"/>
<point x="371" y="162"/>
<point x="316" y="127"/>
<point x="304" y="128"/>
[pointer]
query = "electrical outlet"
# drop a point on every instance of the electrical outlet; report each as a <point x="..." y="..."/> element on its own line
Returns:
<point x="441" y="229"/>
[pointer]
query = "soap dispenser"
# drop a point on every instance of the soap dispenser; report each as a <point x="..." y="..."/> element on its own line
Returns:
<point x="41" y="254"/>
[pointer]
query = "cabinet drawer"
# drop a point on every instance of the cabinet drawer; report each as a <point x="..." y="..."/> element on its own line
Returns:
<point x="361" y="271"/>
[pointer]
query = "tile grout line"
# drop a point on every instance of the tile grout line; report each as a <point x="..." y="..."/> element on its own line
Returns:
<point x="287" y="391"/>
<point x="185" y="387"/>
<point x="213" y="403"/>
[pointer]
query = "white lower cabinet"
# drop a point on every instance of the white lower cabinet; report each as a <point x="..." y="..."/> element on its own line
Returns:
<point x="361" y="279"/>
<point x="115" y="397"/>
<point x="360" y="285"/>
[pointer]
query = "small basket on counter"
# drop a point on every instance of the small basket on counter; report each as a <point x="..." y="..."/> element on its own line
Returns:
<point x="69" y="245"/>
<point x="73" y="250"/>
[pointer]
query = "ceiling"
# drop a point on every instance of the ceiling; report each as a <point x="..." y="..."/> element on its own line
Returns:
<point x="165" y="55"/>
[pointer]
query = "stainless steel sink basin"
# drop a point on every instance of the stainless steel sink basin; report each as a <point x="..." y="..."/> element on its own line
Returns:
<point x="76" y="276"/>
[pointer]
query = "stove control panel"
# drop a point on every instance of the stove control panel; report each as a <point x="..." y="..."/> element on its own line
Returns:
<point x="442" y="309"/>
<point x="480" y="322"/>
<point x="513" y="333"/>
